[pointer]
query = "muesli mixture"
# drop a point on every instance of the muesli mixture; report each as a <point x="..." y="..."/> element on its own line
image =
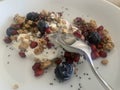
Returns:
<point x="29" y="34"/>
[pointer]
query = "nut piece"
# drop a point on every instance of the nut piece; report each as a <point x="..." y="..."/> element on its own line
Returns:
<point x="93" y="23"/>
<point x="22" y="31"/>
<point x="46" y="64"/>
<point x="23" y="45"/>
<point x="18" y="19"/>
<point x="104" y="62"/>
<point x="44" y="13"/>
<point x="39" y="50"/>
<point x="41" y="42"/>
<point x="13" y="38"/>
<point x="15" y="87"/>
<point x="30" y="22"/>
<point x="109" y="46"/>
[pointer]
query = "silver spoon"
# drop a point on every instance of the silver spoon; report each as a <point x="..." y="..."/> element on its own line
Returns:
<point x="69" y="43"/>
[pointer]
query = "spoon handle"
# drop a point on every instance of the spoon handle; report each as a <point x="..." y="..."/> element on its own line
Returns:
<point x="98" y="76"/>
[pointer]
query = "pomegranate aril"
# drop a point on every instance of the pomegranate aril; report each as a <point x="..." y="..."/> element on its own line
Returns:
<point x="7" y="40"/>
<point x="76" y="57"/>
<point x="47" y="39"/>
<point x="95" y="55"/>
<point x="50" y="45"/>
<point x="58" y="61"/>
<point x="77" y="34"/>
<point x="22" y="54"/>
<point x="39" y="72"/>
<point x="103" y="54"/>
<point x="14" y="32"/>
<point x="33" y="44"/>
<point x="67" y="54"/>
<point x="100" y="28"/>
<point x="99" y="46"/>
<point x="36" y="66"/>
<point x="69" y="60"/>
<point x="93" y="47"/>
<point x="48" y="31"/>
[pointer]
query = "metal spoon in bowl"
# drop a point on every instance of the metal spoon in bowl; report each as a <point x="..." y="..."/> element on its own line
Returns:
<point x="69" y="43"/>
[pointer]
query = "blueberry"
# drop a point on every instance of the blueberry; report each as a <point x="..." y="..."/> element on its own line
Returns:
<point x="32" y="16"/>
<point x="64" y="71"/>
<point x="10" y="31"/>
<point x="42" y="26"/>
<point x="93" y="38"/>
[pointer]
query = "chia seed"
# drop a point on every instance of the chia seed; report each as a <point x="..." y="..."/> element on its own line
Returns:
<point x="9" y="55"/>
<point x="97" y="67"/>
<point x="78" y="88"/>
<point x="51" y="83"/>
<point x="76" y="75"/>
<point x="80" y="77"/>
<point x="8" y="62"/>
<point x="71" y="85"/>
<point x="89" y="78"/>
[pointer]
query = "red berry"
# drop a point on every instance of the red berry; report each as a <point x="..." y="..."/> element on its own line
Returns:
<point x="47" y="39"/>
<point x="22" y="54"/>
<point x="77" y="34"/>
<point x="93" y="48"/>
<point x="36" y="66"/>
<point x="99" y="46"/>
<point x="67" y="54"/>
<point x="33" y="44"/>
<point x="58" y="61"/>
<point x="100" y="28"/>
<point x="69" y="60"/>
<point x="48" y="31"/>
<point x="76" y="57"/>
<point x="7" y="40"/>
<point x="14" y="32"/>
<point x="39" y="72"/>
<point x="102" y="54"/>
<point x="95" y="55"/>
<point x="50" y="45"/>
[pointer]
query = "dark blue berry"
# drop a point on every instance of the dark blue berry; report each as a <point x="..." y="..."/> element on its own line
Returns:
<point x="64" y="71"/>
<point x="10" y="31"/>
<point x="32" y="16"/>
<point x="42" y="26"/>
<point x="93" y="38"/>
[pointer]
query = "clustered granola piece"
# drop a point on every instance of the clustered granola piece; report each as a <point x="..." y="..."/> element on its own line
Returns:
<point x="98" y="37"/>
